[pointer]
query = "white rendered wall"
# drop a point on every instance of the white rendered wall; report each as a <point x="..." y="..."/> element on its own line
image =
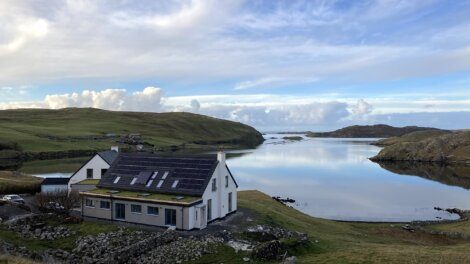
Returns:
<point x="96" y="163"/>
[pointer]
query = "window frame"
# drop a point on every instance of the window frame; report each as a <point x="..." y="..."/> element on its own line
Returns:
<point x="155" y="207"/>
<point x="88" y="174"/>
<point x="103" y="172"/>
<point x="92" y="203"/>
<point x="214" y="184"/>
<point x="226" y="181"/>
<point x="105" y="208"/>
<point x="136" y="205"/>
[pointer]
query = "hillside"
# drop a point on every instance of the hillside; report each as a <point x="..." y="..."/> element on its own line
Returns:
<point x="410" y="137"/>
<point x="446" y="148"/>
<point x="374" y="131"/>
<point x="72" y="131"/>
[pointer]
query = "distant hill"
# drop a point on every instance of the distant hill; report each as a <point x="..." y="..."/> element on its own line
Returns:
<point x="374" y="131"/>
<point x="428" y="146"/>
<point x="76" y="131"/>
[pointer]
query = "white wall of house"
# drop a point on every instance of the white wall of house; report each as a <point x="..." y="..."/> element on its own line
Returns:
<point x="53" y="188"/>
<point x="219" y="197"/>
<point x="96" y="164"/>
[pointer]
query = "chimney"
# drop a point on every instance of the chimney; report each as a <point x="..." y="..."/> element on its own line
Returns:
<point x="115" y="148"/>
<point x="221" y="157"/>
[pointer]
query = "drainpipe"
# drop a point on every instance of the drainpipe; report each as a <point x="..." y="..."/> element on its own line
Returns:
<point x="182" y="218"/>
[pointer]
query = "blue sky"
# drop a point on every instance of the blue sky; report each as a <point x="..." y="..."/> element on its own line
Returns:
<point x="277" y="65"/>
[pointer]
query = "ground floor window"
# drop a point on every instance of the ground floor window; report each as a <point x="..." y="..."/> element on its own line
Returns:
<point x="105" y="205"/>
<point x="170" y="217"/>
<point x="151" y="210"/>
<point x="136" y="208"/>
<point x="209" y="209"/>
<point x="229" y="202"/>
<point x="89" y="203"/>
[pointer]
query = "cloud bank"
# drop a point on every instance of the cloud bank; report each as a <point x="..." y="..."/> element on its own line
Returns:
<point x="265" y="112"/>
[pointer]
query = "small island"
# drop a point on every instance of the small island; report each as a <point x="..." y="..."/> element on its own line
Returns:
<point x="373" y="131"/>
<point x="293" y="138"/>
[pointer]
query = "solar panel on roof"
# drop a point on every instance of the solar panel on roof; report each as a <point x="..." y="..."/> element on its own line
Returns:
<point x="143" y="177"/>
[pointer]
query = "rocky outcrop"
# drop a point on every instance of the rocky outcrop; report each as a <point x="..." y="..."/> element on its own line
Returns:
<point x="448" y="148"/>
<point x="33" y="227"/>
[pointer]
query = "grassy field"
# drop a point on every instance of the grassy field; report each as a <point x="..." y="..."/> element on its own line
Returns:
<point x="331" y="241"/>
<point x="18" y="183"/>
<point x="341" y="242"/>
<point x="41" y="130"/>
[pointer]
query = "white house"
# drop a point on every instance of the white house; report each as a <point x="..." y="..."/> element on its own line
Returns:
<point x="94" y="168"/>
<point x="186" y="192"/>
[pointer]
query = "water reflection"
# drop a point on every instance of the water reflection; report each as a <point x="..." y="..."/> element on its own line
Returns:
<point x="333" y="178"/>
<point x="449" y="174"/>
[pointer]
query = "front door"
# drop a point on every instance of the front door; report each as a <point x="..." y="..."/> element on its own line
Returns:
<point x="170" y="217"/>
<point x="203" y="217"/>
<point x="120" y="211"/>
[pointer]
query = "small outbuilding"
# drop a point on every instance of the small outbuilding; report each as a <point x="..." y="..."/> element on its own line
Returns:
<point x="50" y="185"/>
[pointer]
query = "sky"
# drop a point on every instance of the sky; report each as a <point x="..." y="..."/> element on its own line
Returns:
<point x="275" y="65"/>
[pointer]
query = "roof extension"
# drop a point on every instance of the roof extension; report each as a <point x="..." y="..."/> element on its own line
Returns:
<point x="55" y="181"/>
<point x="143" y="197"/>
<point x="145" y="172"/>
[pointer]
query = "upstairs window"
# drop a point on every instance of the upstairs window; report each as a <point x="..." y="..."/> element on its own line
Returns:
<point x="103" y="171"/>
<point x="133" y="180"/>
<point x="117" y="179"/>
<point x="89" y="173"/>
<point x="226" y="181"/>
<point x="159" y="185"/>
<point x="165" y="174"/>
<point x="175" y="183"/>
<point x="154" y="175"/>
<point x="214" y="185"/>
<point x="149" y="183"/>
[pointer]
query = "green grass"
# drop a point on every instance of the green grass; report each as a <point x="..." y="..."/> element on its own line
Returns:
<point x="18" y="183"/>
<point x="69" y="165"/>
<point x="40" y="130"/>
<point x="341" y="242"/>
<point x="89" y="181"/>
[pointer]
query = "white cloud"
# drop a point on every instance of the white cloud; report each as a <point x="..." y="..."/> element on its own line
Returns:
<point x="195" y="105"/>
<point x="362" y="108"/>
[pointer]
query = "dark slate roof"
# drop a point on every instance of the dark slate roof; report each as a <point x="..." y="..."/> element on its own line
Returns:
<point x="55" y="181"/>
<point x="109" y="156"/>
<point x="193" y="173"/>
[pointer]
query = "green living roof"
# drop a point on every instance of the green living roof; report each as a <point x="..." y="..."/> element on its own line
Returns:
<point x="89" y="181"/>
<point x="155" y="197"/>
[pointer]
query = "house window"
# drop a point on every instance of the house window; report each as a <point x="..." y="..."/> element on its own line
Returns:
<point x="170" y="217"/>
<point x="89" y="173"/>
<point x="154" y="175"/>
<point x="89" y="203"/>
<point x="149" y="183"/>
<point x="136" y="208"/>
<point x="151" y="210"/>
<point x="226" y="181"/>
<point x="117" y="179"/>
<point x="103" y="171"/>
<point x="165" y="174"/>
<point x="209" y="209"/>
<point x="105" y="205"/>
<point x="175" y="183"/>
<point x="229" y="202"/>
<point x="160" y="184"/>
<point x="214" y="185"/>
<point x="133" y="180"/>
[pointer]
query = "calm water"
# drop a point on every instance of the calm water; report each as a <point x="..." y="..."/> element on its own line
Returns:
<point x="333" y="178"/>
